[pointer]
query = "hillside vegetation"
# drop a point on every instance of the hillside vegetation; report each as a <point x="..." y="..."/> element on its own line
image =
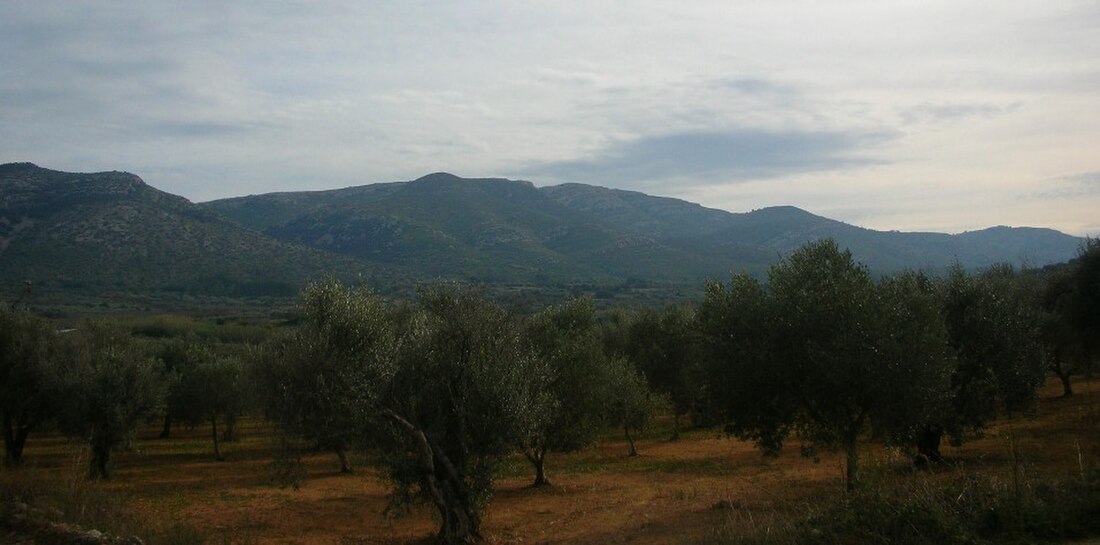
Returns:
<point x="108" y="241"/>
<point x="98" y="235"/>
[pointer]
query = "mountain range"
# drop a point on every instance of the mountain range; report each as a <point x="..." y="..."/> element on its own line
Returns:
<point x="110" y="233"/>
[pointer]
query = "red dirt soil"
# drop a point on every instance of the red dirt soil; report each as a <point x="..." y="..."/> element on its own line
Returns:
<point x="675" y="492"/>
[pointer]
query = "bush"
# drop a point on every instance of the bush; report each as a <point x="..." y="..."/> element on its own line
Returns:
<point x="966" y="510"/>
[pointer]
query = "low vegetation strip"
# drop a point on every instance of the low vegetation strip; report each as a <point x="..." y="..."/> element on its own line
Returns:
<point x="966" y="509"/>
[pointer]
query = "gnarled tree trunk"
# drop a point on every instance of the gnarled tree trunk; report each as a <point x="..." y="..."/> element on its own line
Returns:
<point x="1064" y="376"/>
<point x="537" y="457"/>
<point x="439" y="479"/>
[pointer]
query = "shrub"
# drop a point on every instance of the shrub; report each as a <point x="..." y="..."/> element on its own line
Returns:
<point x="966" y="510"/>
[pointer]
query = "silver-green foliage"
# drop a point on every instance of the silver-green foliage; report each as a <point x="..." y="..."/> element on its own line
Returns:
<point x="29" y="378"/>
<point x="441" y="390"/>
<point x="111" y="386"/>
<point x="322" y="381"/>
<point x="574" y="375"/>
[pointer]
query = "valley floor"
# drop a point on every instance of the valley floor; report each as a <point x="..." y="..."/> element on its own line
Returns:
<point x="674" y="492"/>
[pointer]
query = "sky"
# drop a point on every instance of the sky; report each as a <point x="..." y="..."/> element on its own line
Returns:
<point x="921" y="115"/>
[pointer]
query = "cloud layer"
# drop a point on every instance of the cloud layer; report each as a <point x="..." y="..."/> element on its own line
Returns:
<point x="917" y="114"/>
<point x="716" y="157"/>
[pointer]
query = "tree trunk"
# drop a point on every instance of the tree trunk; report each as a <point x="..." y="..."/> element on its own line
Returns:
<point x="229" y="434"/>
<point x="851" y="477"/>
<point x="464" y="522"/>
<point x="461" y="525"/>
<point x="675" y="426"/>
<point x="166" y="431"/>
<point x="15" y="438"/>
<point x="540" y="472"/>
<point x="537" y="457"/>
<point x="345" y="459"/>
<point x="630" y="440"/>
<point x="99" y="466"/>
<point x="214" y="434"/>
<point x="1067" y="387"/>
<point x="459" y="521"/>
<point x="928" y="446"/>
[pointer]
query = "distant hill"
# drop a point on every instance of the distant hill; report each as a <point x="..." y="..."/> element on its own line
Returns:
<point x="109" y="234"/>
<point x="502" y="230"/>
<point x="779" y="230"/>
<point x="488" y="230"/>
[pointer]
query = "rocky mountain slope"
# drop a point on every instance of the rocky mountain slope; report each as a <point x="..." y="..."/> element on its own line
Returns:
<point x="501" y="229"/>
<point x="110" y="233"/>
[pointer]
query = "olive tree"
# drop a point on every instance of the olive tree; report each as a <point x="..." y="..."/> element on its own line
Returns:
<point x="630" y="404"/>
<point x="463" y="394"/>
<point x="1063" y="350"/>
<point x="994" y="333"/>
<point x="209" y="391"/>
<point x="442" y="390"/>
<point x="110" y="387"/>
<point x="1081" y="305"/>
<point x="29" y="378"/>
<point x="177" y="357"/>
<point x="663" y="346"/>
<point x="576" y="379"/>
<point x="315" y="381"/>
<point x="746" y="385"/>
<point x="825" y="353"/>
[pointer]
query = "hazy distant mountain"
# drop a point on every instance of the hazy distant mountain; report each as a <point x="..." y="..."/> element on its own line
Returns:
<point x="781" y="229"/>
<point x="501" y="229"/>
<point x="111" y="233"/>
<point x="488" y="230"/>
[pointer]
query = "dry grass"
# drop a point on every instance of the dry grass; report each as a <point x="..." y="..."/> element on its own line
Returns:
<point x="687" y="491"/>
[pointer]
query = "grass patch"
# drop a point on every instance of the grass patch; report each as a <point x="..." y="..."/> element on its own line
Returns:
<point x="964" y="510"/>
<point x="66" y="496"/>
<point x="687" y="466"/>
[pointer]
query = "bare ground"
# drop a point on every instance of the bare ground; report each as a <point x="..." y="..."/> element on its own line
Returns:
<point x="675" y="492"/>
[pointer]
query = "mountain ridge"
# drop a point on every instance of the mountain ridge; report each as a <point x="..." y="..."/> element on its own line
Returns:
<point x="110" y="231"/>
<point x="705" y="240"/>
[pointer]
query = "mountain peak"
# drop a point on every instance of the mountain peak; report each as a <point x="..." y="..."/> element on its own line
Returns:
<point x="437" y="177"/>
<point x="27" y="168"/>
<point x="18" y="167"/>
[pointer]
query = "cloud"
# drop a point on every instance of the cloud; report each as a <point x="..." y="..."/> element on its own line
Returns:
<point x="200" y="129"/>
<point x="212" y="99"/>
<point x="953" y="112"/>
<point x="1085" y="184"/>
<point x="756" y="86"/>
<point x="720" y="156"/>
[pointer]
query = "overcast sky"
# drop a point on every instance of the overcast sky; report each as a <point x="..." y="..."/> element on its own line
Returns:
<point x="911" y="115"/>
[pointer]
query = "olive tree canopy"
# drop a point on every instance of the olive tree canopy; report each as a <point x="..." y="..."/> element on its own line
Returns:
<point x="824" y="352"/>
